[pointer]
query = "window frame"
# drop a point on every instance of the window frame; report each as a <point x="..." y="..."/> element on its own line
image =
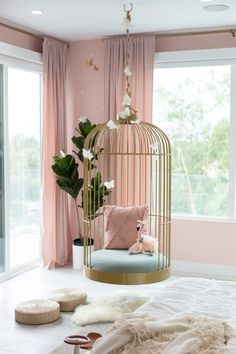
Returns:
<point x="210" y="57"/>
<point x="23" y="59"/>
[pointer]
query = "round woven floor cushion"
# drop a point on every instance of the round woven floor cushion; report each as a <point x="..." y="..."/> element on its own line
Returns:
<point x="68" y="298"/>
<point x="37" y="312"/>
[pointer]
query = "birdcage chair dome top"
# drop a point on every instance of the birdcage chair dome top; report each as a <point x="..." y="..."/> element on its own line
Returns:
<point x="141" y="138"/>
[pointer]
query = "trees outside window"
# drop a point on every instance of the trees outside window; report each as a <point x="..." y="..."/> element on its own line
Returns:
<point x="192" y="105"/>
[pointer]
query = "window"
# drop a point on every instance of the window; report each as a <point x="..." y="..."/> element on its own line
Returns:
<point x="193" y="105"/>
<point x="20" y="159"/>
<point x="2" y="216"/>
<point x="24" y="160"/>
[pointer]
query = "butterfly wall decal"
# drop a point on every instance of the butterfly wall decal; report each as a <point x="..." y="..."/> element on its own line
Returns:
<point x="90" y="63"/>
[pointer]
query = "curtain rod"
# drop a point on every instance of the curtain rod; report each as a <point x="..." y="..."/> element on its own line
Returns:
<point x="159" y="35"/>
<point x="231" y="31"/>
<point x="34" y="35"/>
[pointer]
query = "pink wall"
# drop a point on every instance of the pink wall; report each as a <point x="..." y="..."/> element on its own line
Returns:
<point x="88" y="84"/>
<point x="85" y="93"/>
<point x="196" y="241"/>
<point x="20" y="39"/>
<point x="204" y="241"/>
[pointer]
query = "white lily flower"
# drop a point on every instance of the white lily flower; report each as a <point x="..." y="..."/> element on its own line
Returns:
<point x="125" y="113"/>
<point x="112" y="125"/>
<point x="122" y="115"/>
<point x="137" y="121"/>
<point x="83" y="119"/>
<point x="62" y="153"/>
<point x="154" y="147"/>
<point x="110" y="185"/>
<point x="127" y="71"/>
<point x="87" y="154"/>
<point x="126" y="100"/>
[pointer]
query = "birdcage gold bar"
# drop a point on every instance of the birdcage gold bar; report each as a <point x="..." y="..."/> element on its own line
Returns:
<point x="137" y="156"/>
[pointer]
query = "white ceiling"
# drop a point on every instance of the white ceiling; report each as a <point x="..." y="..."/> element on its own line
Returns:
<point x="73" y="20"/>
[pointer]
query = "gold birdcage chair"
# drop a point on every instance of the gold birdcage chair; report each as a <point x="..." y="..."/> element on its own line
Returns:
<point x="136" y="156"/>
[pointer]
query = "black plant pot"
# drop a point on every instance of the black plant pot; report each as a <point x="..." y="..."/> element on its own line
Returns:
<point x="80" y="241"/>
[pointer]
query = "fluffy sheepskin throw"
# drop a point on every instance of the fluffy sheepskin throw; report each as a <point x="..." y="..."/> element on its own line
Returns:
<point x="181" y="335"/>
<point x="108" y="308"/>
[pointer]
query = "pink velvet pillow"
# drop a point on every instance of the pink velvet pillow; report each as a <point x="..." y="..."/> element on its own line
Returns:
<point x="121" y="225"/>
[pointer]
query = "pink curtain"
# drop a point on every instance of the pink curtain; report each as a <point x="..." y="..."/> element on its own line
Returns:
<point x="56" y="237"/>
<point x="142" y="51"/>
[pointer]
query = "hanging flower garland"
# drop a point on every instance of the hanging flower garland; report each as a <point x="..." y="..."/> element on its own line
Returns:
<point x="129" y="114"/>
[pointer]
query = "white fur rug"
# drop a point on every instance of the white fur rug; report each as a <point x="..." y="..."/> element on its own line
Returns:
<point x="108" y="308"/>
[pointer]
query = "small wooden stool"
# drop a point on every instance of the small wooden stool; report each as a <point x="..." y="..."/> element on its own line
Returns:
<point x="37" y="312"/>
<point x="68" y="298"/>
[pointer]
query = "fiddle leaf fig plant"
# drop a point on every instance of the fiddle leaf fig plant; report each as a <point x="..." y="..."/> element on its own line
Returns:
<point x="97" y="192"/>
<point x="68" y="178"/>
<point x="66" y="170"/>
<point x="85" y="127"/>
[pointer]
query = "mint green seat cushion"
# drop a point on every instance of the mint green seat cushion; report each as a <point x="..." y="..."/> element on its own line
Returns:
<point x="119" y="261"/>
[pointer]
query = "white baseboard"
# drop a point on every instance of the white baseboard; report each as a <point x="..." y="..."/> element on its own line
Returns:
<point x="19" y="270"/>
<point x="192" y="269"/>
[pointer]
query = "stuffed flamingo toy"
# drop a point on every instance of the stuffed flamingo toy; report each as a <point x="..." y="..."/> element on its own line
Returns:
<point x="145" y="244"/>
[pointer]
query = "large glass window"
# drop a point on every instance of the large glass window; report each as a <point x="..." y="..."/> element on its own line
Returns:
<point x="2" y="214"/>
<point x="20" y="160"/>
<point x="24" y="109"/>
<point x="192" y="105"/>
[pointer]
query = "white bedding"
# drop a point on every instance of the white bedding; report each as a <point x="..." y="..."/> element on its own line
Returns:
<point x="212" y="298"/>
<point x="198" y="296"/>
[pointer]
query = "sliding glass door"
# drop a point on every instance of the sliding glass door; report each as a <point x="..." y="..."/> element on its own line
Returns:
<point x="24" y="110"/>
<point x="20" y="172"/>
<point x="2" y="217"/>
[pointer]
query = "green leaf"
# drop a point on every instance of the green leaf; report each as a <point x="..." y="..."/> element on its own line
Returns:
<point x="77" y="186"/>
<point x="105" y="191"/>
<point x="70" y="186"/>
<point x="78" y="141"/>
<point x="75" y="174"/>
<point x="96" y="181"/>
<point x="80" y="155"/>
<point x="86" y="127"/>
<point x="64" y="166"/>
<point x="66" y="187"/>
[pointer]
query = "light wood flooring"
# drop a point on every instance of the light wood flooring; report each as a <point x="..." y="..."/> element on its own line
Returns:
<point x="24" y="339"/>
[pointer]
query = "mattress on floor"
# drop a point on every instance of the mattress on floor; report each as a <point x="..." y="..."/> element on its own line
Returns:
<point x="119" y="261"/>
<point x="199" y="297"/>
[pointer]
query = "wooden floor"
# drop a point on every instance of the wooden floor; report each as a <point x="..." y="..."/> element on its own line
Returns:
<point x="24" y="339"/>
